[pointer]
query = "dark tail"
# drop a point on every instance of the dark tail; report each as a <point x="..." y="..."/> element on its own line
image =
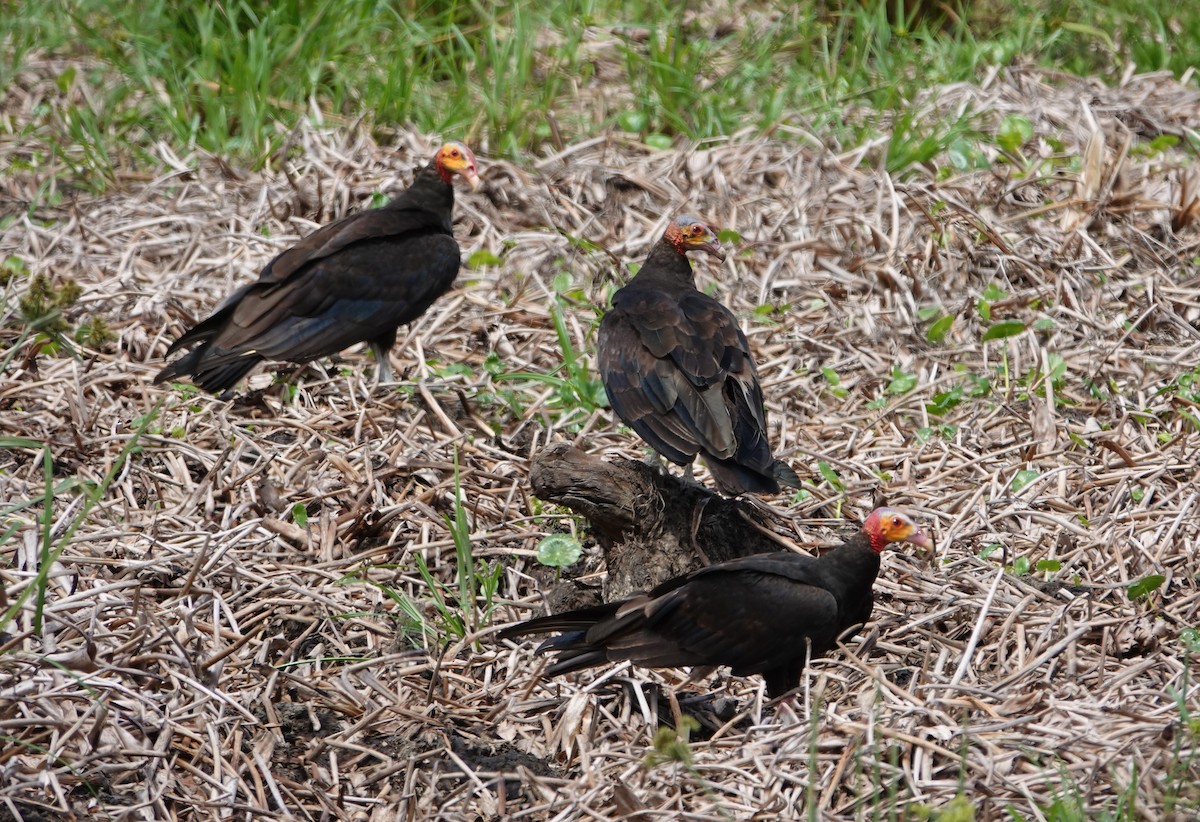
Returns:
<point x="735" y="480"/>
<point x="571" y="647"/>
<point x="784" y="474"/>
<point x="578" y="620"/>
<point x="213" y="374"/>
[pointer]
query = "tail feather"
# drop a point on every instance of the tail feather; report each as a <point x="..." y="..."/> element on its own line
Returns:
<point x="182" y="367"/>
<point x="573" y="651"/>
<point x="785" y="475"/>
<point x="578" y="620"/>
<point x="735" y="480"/>
<point x="576" y="660"/>
<point x="215" y="374"/>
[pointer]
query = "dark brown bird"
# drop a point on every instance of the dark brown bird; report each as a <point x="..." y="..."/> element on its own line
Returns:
<point x="756" y="614"/>
<point x="356" y="280"/>
<point x="677" y="369"/>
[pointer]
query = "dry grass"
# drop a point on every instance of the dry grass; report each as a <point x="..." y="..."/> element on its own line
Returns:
<point x="204" y="657"/>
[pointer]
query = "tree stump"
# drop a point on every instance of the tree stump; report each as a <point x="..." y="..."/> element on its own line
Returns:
<point x="650" y="525"/>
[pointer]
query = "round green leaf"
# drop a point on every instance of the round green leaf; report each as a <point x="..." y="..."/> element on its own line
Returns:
<point x="662" y="142"/>
<point x="300" y="514"/>
<point x="1190" y="638"/>
<point x="1023" y="478"/>
<point x="559" y="550"/>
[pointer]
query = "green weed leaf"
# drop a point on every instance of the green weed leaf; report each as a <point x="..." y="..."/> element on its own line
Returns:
<point x="1146" y="585"/>
<point x="902" y="382"/>
<point x="966" y="155"/>
<point x="1190" y="637"/>
<point x="938" y="331"/>
<point x="1023" y="478"/>
<point x="482" y="258"/>
<point x="830" y="475"/>
<point x="559" y="550"/>
<point x="1005" y="328"/>
<point x="944" y="401"/>
<point x="993" y="292"/>
<point x="1015" y="131"/>
<point x="671" y="745"/>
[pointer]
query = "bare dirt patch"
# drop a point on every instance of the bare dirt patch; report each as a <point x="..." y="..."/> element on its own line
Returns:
<point x="205" y="656"/>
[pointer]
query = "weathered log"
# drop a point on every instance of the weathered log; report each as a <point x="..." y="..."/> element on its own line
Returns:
<point x="651" y="525"/>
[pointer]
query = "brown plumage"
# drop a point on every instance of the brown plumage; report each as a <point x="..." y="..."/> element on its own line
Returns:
<point x="756" y="614"/>
<point x="678" y="370"/>
<point x="355" y="280"/>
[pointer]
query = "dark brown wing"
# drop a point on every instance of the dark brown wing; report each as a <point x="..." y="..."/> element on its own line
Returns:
<point x="356" y="295"/>
<point x="353" y="281"/>
<point x="678" y="370"/>
<point x="753" y="614"/>
<point x="376" y="224"/>
<point x="749" y="620"/>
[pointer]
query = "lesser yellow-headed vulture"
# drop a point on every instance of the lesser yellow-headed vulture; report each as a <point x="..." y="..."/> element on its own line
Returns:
<point x="678" y="370"/>
<point x="762" y="614"/>
<point x="354" y="280"/>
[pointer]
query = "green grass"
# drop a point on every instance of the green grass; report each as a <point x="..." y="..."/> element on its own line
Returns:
<point x="446" y="611"/>
<point x="53" y="535"/>
<point x="234" y="78"/>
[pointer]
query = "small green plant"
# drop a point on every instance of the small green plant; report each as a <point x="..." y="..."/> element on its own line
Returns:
<point x="459" y="606"/>
<point x="1144" y="587"/>
<point x="1002" y="330"/>
<point x="51" y="543"/>
<point x="457" y="609"/>
<point x="992" y="293"/>
<point x="482" y="259"/>
<point x="1022" y="478"/>
<point x="901" y="383"/>
<point x="559" y="551"/>
<point x="944" y="401"/>
<point x="1023" y="565"/>
<point x="834" y="382"/>
<point x="1014" y="132"/>
<point x="1181" y="796"/>
<point x="671" y="744"/>
<point x="830" y="475"/>
<point x="43" y="304"/>
<point x="915" y="141"/>
<point x="577" y="389"/>
<point x="946" y="431"/>
<point x="940" y="327"/>
<point x="11" y="269"/>
<point x="94" y="332"/>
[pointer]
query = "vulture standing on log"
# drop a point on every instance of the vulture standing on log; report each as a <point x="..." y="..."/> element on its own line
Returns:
<point x="757" y="614"/>
<point x="354" y="280"/>
<point x="677" y="369"/>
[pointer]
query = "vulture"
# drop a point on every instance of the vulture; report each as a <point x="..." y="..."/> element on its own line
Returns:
<point x="678" y="370"/>
<point x="351" y="281"/>
<point x="762" y="614"/>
